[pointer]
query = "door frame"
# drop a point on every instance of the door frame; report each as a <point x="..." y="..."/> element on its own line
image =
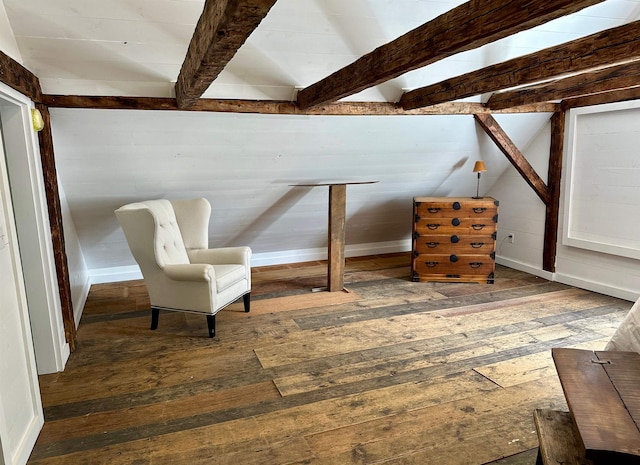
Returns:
<point x="16" y="450"/>
<point x="34" y="234"/>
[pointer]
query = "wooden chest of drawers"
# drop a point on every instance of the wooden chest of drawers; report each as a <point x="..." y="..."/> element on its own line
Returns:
<point x="454" y="239"/>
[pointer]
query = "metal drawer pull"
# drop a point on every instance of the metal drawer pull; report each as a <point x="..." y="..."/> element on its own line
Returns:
<point x="433" y="245"/>
<point x="433" y="226"/>
<point x="476" y="245"/>
<point x="431" y="264"/>
<point x="455" y="239"/>
<point x="479" y="209"/>
<point x="453" y="258"/>
<point x="433" y="209"/>
<point x="455" y="221"/>
<point x="477" y="227"/>
<point x="475" y="264"/>
<point x="457" y="206"/>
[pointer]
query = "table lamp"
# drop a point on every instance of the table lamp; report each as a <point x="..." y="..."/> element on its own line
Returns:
<point x="479" y="167"/>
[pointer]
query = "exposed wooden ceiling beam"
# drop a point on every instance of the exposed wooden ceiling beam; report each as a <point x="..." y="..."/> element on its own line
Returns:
<point x="513" y="154"/>
<point x="595" y="51"/>
<point x="19" y="78"/>
<point x="465" y="27"/>
<point x="621" y="95"/>
<point x="593" y="82"/>
<point x="221" y="30"/>
<point x="274" y="107"/>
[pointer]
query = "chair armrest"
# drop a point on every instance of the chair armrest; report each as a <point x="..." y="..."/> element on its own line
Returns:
<point x="190" y="272"/>
<point x="221" y="256"/>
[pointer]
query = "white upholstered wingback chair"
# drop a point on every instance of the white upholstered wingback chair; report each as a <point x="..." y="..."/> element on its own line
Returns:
<point x="169" y="240"/>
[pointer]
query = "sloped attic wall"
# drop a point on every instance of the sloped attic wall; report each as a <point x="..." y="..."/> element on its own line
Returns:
<point x="245" y="165"/>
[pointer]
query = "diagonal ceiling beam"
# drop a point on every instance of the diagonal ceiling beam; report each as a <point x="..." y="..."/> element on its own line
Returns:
<point x="604" y="48"/>
<point x="221" y="30"/>
<point x="513" y="154"/>
<point x="603" y="80"/>
<point x="468" y="26"/>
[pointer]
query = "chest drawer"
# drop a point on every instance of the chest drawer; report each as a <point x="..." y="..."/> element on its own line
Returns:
<point x="454" y="239"/>
<point x="457" y="207"/>
<point x="447" y="267"/>
<point x="457" y="225"/>
<point x="454" y="243"/>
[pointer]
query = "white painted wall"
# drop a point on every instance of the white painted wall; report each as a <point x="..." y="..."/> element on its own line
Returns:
<point x="245" y="165"/>
<point x="522" y="213"/>
<point x="78" y="273"/>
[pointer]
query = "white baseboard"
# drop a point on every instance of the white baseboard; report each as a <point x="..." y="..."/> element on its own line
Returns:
<point x="129" y="273"/>
<point x="114" y="274"/>
<point x="79" y="301"/>
<point x="28" y="441"/>
<point x="625" y="294"/>
<point x="516" y="265"/>
<point x="320" y="253"/>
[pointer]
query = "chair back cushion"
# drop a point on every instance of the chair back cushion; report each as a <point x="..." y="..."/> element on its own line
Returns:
<point x="153" y="233"/>
<point x="193" y="219"/>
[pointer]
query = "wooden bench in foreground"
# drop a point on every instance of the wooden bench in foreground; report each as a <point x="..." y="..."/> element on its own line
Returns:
<point x="602" y="390"/>
<point x="559" y="439"/>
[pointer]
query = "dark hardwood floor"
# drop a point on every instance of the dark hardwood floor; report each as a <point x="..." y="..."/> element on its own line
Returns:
<point x="391" y="372"/>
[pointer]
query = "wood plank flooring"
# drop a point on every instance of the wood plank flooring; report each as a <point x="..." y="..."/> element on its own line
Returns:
<point x="391" y="372"/>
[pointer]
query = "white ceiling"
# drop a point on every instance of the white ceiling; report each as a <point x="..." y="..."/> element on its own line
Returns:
<point x="136" y="47"/>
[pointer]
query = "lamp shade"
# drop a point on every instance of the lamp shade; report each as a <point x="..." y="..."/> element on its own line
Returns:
<point x="479" y="167"/>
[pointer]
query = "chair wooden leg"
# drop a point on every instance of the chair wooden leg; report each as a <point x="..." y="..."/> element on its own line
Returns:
<point x="211" y="322"/>
<point x="155" y="314"/>
<point x="247" y="302"/>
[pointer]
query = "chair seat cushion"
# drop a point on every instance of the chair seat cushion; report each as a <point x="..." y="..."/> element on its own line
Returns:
<point x="228" y="275"/>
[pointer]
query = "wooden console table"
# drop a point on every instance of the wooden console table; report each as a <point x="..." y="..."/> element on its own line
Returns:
<point x="337" y="222"/>
<point x="603" y="394"/>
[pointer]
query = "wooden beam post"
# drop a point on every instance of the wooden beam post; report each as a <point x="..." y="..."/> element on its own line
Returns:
<point x="337" y="223"/>
<point x="553" y="182"/>
<point x="55" y="220"/>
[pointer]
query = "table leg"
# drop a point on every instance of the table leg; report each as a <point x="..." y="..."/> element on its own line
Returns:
<point x="337" y="220"/>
